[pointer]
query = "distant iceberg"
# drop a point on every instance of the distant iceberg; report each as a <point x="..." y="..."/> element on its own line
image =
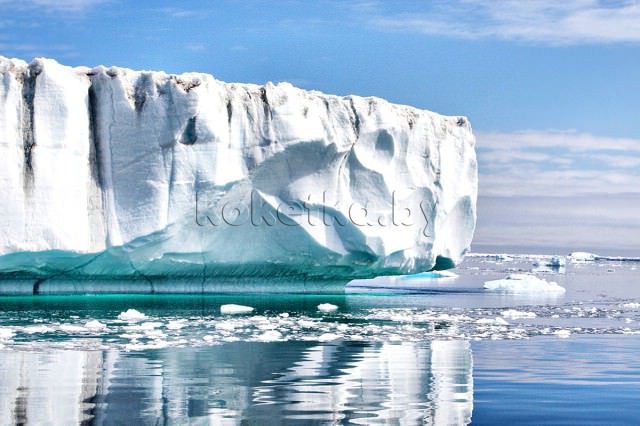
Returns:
<point x="111" y="174"/>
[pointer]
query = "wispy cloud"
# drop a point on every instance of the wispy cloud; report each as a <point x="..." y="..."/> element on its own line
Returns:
<point x="556" y="163"/>
<point x="545" y="21"/>
<point x="196" y="47"/>
<point x="68" y="5"/>
<point x="51" y="5"/>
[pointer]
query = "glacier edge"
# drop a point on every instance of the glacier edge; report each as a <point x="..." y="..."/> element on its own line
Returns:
<point x="112" y="174"/>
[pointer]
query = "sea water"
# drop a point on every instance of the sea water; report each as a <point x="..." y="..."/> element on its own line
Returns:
<point x="427" y="350"/>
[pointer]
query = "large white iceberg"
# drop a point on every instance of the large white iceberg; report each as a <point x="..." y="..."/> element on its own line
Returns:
<point x="112" y="173"/>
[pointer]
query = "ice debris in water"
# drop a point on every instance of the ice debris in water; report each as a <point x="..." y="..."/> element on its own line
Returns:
<point x="235" y="309"/>
<point x="94" y="325"/>
<point x="270" y="336"/>
<point x="515" y="314"/>
<point x="523" y="283"/>
<point x="6" y="333"/>
<point x="327" y="307"/>
<point x="631" y="305"/>
<point x="131" y="315"/>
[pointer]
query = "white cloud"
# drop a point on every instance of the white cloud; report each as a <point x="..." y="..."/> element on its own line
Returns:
<point x="535" y="163"/>
<point x="546" y="21"/>
<point x="569" y="139"/>
<point x="196" y="47"/>
<point x="51" y="5"/>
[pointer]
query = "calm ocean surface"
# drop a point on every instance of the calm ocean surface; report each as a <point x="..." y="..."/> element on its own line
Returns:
<point x="437" y="351"/>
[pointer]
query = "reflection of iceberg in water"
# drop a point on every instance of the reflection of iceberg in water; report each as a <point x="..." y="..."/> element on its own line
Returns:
<point x="45" y="388"/>
<point x="406" y="383"/>
<point x="357" y="382"/>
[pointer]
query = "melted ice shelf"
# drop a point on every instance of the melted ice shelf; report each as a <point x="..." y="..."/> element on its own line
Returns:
<point x="113" y="173"/>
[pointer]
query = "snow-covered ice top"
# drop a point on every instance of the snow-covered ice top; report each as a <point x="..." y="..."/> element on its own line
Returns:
<point x="113" y="172"/>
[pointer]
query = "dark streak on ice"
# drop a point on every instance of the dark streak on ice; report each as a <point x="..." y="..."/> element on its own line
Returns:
<point x="229" y="111"/>
<point x="265" y="103"/>
<point x="141" y="91"/>
<point x="94" y="138"/>
<point x="28" y="135"/>
<point x="190" y="134"/>
<point x="355" y="118"/>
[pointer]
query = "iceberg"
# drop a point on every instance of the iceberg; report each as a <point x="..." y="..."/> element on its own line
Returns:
<point x="111" y="175"/>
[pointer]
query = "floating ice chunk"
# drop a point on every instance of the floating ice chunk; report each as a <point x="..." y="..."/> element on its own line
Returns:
<point x="131" y="315"/>
<point x="208" y="338"/>
<point x="327" y="307"/>
<point x="631" y="305"/>
<point x="524" y="283"/>
<point x="562" y="333"/>
<point x="6" y="333"/>
<point x="489" y="321"/>
<point x="235" y="309"/>
<point x="327" y="337"/>
<point x="284" y="315"/>
<point x="37" y="329"/>
<point x="71" y="328"/>
<point x="94" y="325"/>
<point x="270" y="336"/>
<point x="514" y="314"/>
<point x="176" y="324"/>
<point x="582" y="256"/>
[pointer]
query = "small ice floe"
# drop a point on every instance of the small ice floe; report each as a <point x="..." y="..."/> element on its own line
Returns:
<point x="514" y="314"/>
<point x="72" y="328"/>
<point x="328" y="337"/>
<point x="524" y="284"/>
<point x="131" y="315"/>
<point x="235" y="309"/>
<point x="176" y="324"/>
<point x="327" y="307"/>
<point x="270" y="336"/>
<point x="94" y="325"/>
<point x="562" y="333"/>
<point x="489" y="321"/>
<point x="582" y="257"/>
<point x="631" y="305"/>
<point x="6" y="333"/>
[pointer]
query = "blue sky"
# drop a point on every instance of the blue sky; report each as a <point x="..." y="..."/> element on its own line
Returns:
<point x="552" y="88"/>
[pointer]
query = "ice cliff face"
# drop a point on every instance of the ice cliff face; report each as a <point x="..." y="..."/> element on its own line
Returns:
<point x="109" y="172"/>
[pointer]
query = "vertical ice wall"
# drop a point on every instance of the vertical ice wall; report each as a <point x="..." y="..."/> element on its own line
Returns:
<point x="93" y="159"/>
